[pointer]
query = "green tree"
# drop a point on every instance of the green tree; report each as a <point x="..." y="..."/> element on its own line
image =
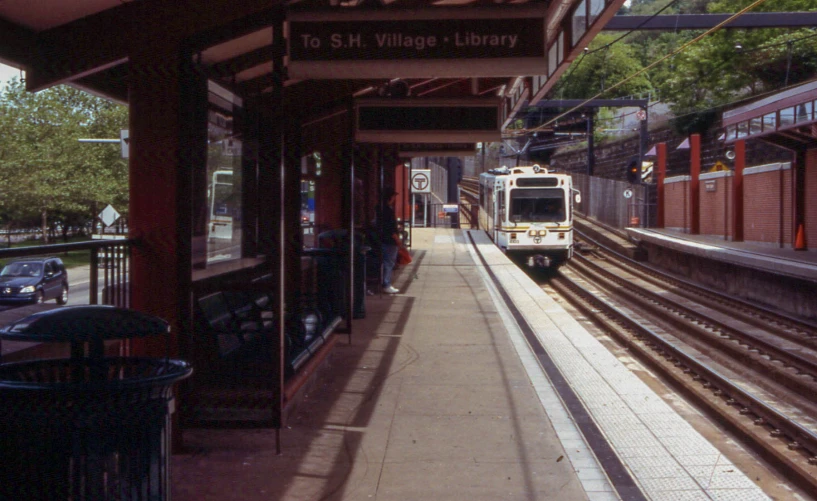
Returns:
<point x="604" y="66"/>
<point x="44" y="170"/>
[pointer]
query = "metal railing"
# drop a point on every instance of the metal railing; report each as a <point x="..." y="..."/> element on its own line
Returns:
<point x="109" y="267"/>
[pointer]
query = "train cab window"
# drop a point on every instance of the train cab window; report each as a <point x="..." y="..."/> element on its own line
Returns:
<point x="537" y="205"/>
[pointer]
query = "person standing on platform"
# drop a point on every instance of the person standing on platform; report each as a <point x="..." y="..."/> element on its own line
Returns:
<point x="388" y="237"/>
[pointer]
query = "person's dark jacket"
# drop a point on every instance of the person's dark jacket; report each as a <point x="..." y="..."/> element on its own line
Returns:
<point x="389" y="228"/>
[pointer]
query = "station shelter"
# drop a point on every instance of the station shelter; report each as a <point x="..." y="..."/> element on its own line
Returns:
<point x="249" y="118"/>
<point x="766" y="203"/>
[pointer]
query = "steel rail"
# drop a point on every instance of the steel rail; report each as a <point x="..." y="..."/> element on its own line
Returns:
<point x="791" y="381"/>
<point x="808" y="328"/>
<point x="799" y="465"/>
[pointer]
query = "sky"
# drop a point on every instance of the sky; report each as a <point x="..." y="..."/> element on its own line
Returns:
<point x="6" y="72"/>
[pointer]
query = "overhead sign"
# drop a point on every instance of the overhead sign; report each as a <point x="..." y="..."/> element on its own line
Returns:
<point x="421" y="181"/>
<point x="435" y="42"/>
<point x="437" y="149"/>
<point x="415" y="120"/>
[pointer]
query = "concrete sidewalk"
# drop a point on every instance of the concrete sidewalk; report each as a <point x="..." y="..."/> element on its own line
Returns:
<point x="429" y="401"/>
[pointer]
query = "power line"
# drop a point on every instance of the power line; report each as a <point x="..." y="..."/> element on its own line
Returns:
<point x="652" y="65"/>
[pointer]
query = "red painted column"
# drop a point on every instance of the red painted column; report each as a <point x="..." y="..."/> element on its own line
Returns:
<point x="694" y="183"/>
<point x="661" y="153"/>
<point x="737" y="191"/>
<point x="160" y="192"/>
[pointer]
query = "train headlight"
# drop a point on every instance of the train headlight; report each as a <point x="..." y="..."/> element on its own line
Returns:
<point x="543" y="233"/>
<point x="531" y="233"/>
<point x="513" y="235"/>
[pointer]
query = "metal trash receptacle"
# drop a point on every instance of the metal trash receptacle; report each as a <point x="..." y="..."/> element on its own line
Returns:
<point x="88" y="427"/>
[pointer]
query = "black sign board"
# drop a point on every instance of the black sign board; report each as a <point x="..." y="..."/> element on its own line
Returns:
<point x="443" y="39"/>
<point x="427" y="120"/>
<point x="436" y="42"/>
<point x="437" y="149"/>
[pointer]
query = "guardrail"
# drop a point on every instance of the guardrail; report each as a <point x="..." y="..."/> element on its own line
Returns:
<point x="109" y="267"/>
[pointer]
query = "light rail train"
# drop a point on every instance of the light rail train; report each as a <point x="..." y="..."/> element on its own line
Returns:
<point x="528" y="213"/>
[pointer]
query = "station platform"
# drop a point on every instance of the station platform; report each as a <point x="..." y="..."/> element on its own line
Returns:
<point x="438" y="395"/>
<point x="775" y="259"/>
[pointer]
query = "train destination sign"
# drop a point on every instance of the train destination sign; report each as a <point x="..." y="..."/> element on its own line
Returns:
<point x="416" y="120"/>
<point x="432" y="43"/>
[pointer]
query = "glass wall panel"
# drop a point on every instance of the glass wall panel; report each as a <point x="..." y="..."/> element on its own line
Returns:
<point x="804" y="112"/>
<point x="596" y="7"/>
<point x="579" y="22"/>
<point x="755" y="126"/>
<point x="769" y="122"/>
<point x="743" y="129"/>
<point x="224" y="197"/>
<point x="553" y="58"/>
<point x="786" y="117"/>
<point x="732" y="132"/>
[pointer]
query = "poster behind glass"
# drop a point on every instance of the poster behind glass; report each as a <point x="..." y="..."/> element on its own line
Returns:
<point x="224" y="151"/>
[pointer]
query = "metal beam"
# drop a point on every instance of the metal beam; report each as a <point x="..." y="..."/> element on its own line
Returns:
<point x="94" y="43"/>
<point x="706" y="21"/>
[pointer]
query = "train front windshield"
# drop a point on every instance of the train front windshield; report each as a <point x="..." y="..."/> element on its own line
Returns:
<point x="537" y="205"/>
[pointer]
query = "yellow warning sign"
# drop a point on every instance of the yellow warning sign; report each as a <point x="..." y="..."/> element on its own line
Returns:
<point x="719" y="167"/>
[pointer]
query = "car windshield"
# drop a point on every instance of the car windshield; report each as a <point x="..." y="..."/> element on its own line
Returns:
<point x="22" y="269"/>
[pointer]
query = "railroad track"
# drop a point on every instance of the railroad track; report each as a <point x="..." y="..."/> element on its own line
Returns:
<point x="755" y="371"/>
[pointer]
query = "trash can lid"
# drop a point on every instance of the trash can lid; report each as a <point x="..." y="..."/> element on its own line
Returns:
<point x="84" y="323"/>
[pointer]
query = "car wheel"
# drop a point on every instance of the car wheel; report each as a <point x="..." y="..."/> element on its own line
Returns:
<point x="63" y="297"/>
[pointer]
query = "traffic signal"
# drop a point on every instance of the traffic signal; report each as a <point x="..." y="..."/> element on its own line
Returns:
<point x="633" y="172"/>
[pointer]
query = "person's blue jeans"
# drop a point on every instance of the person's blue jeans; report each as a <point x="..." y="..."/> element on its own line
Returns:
<point x="389" y="260"/>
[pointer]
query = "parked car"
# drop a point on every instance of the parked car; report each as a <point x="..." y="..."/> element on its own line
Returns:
<point x="34" y="280"/>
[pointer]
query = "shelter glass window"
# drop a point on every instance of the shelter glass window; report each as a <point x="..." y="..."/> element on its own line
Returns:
<point x="743" y="129"/>
<point x="596" y="8"/>
<point x="537" y="205"/>
<point x="755" y="126"/>
<point x="552" y="58"/>
<point x="224" y="160"/>
<point x="579" y="22"/>
<point x="804" y="112"/>
<point x="786" y="117"/>
<point x="769" y="122"/>
<point x="731" y="132"/>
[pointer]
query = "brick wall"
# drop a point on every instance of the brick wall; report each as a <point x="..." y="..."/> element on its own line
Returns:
<point x="716" y="198"/>
<point x="676" y="203"/>
<point x="767" y="210"/>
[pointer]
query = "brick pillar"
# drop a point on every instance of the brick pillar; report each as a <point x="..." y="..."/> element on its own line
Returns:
<point x="160" y="214"/>
<point x="737" y="191"/>
<point x="661" y="153"/>
<point x="694" y="184"/>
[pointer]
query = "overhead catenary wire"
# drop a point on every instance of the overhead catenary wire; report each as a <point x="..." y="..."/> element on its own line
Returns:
<point x="651" y="65"/>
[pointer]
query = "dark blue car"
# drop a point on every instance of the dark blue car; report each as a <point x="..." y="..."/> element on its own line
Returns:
<point x="34" y="280"/>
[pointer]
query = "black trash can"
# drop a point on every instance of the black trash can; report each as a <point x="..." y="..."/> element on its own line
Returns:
<point x="88" y="427"/>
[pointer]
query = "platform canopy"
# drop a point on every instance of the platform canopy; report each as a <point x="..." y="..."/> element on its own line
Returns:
<point x="333" y="49"/>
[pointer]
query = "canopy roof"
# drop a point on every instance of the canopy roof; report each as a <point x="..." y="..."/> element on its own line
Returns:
<point x="87" y="43"/>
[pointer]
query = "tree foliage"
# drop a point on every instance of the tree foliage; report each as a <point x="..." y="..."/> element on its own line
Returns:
<point x="726" y="66"/>
<point x="46" y="174"/>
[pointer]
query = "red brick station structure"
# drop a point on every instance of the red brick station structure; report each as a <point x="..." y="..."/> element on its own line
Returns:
<point x="337" y="94"/>
<point x="773" y="203"/>
<point x="269" y="96"/>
